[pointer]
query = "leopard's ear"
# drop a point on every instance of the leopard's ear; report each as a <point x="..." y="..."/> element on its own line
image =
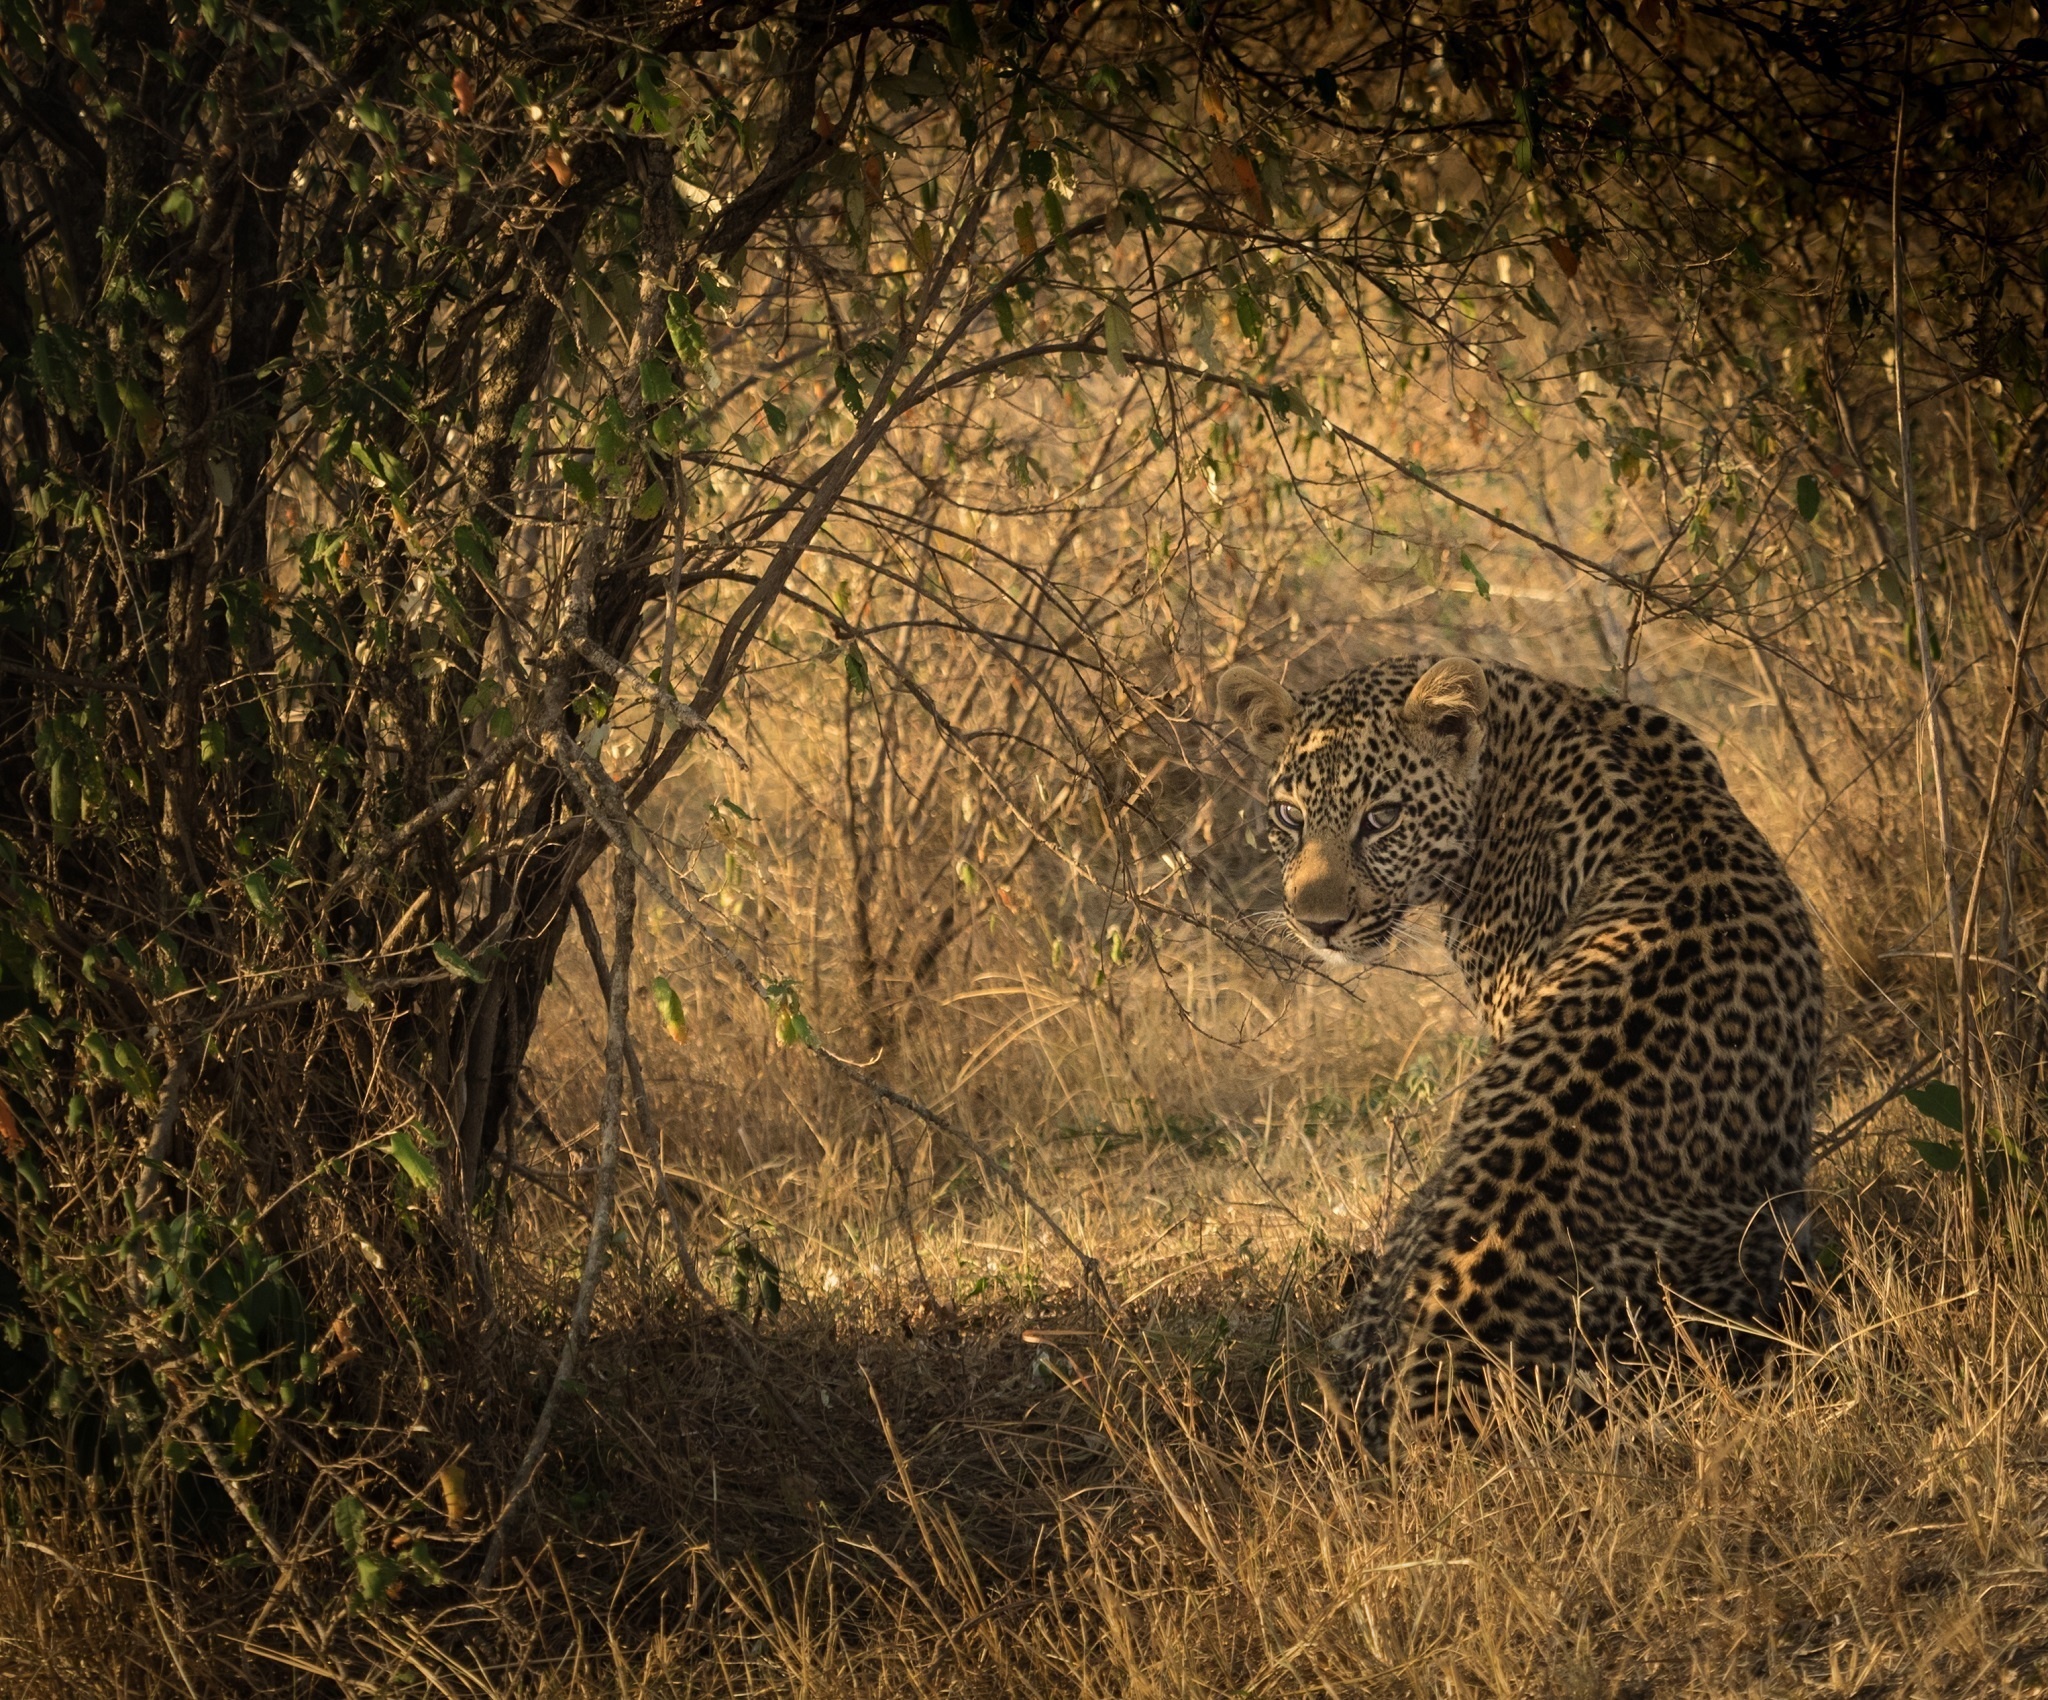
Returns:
<point x="1262" y="709"/>
<point x="1446" y="711"/>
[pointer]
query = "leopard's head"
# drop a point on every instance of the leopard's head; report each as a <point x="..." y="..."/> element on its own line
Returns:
<point x="1371" y="796"/>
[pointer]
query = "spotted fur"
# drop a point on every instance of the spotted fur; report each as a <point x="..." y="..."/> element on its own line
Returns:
<point x="1630" y="1163"/>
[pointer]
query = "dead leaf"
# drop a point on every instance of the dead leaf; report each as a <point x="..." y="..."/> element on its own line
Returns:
<point x="465" y="93"/>
<point x="1565" y="255"/>
<point x="454" y="1482"/>
<point x="336" y="1347"/>
<point x="1236" y="172"/>
<point x="558" y="162"/>
<point x="11" y="1140"/>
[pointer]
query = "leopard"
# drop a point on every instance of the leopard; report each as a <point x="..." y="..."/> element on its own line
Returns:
<point x="1624" y="1180"/>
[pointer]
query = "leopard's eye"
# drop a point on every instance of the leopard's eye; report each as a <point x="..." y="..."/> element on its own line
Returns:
<point x="1379" y="819"/>
<point x="1288" y="816"/>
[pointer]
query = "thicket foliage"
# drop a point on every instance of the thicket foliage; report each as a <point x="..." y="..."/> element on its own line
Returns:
<point x="429" y="430"/>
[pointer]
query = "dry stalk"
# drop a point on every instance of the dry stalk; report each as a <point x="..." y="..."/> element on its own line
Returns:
<point x="596" y="1253"/>
<point x="1923" y="641"/>
<point x="610" y="811"/>
<point x="643" y="1111"/>
<point x="2014" y="700"/>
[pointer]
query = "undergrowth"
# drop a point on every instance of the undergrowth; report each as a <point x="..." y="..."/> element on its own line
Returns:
<point x="932" y="1466"/>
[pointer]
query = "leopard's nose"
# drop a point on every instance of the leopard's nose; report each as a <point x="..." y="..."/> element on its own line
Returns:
<point x="1325" y="930"/>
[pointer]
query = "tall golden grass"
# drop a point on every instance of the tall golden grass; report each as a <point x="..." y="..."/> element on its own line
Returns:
<point x="1000" y="1492"/>
<point x="909" y="1456"/>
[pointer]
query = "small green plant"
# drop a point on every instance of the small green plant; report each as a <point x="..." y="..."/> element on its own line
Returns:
<point x="755" y="1275"/>
<point x="1331" y="1112"/>
<point x="382" y="1567"/>
<point x="1020" y="1287"/>
<point x="2002" y="1161"/>
<point x="1204" y="1135"/>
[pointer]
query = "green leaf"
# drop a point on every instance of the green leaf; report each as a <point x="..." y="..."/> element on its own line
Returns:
<point x="456" y="963"/>
<point x="718" y="289"/>
<point x="141" y="406"/>
<point x="248" y="1430"/>
<point x="1807" y="494"/>
<point x="122" y="1063"/>
<point x="1139" y="205"/>
<point x="649" y="503"/>
<point x="78" y="37"/>
<point x="1938" y="1154"/>
<point x="685" y="330"/>
<point x="374" y="1575"/>
<point x="1251" y="314"/>
<point x="655" y="101"/>
<point x="1533" y="299"/>
<point x="578" y="476"/>
<point x="64" y="796"/>
<point x="960" y="25"/>
<point x="213" y="742"/>
<point x="669" y="1008"/>
<point x="778" y="421"/>
<point x="1118" y="335"/>
<point x="373" y="118"/>
<point x="419" y="1168"/>
<point x="348" y="1523"/>
<point x="258" y="889"/>
<point x="475" y="548"/>
<point x="57" y="358"/>
<point x="849" y="388"/>
<point x="1478" y="578"/>
<point x="657" y="383"/>
<point x="420" y="1563"/>
<point x="791" y="1026"/>
<point x="1938" y="1101"/>
<point x="856" y="670"/>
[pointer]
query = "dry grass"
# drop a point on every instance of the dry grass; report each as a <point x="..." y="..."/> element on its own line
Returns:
<point x="935" y="1469"/>
<point x="875" y="1493"/>
<point x="1012" y="1500"/>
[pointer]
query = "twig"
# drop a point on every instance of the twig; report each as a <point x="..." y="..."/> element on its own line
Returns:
<point x="608" y="809"/>
<point x="1923" y="638"/>
<point x="1091" y="1267"/>
<point x="494" y="762"/>
<point x="1998" y="770"/>
<point x="643" y="1111"/>
<point x="1847" y="1129"/>
<point x="149" y="1191"/>
<point x="596" y="1254"/>
<point x="238" y="1496"/>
